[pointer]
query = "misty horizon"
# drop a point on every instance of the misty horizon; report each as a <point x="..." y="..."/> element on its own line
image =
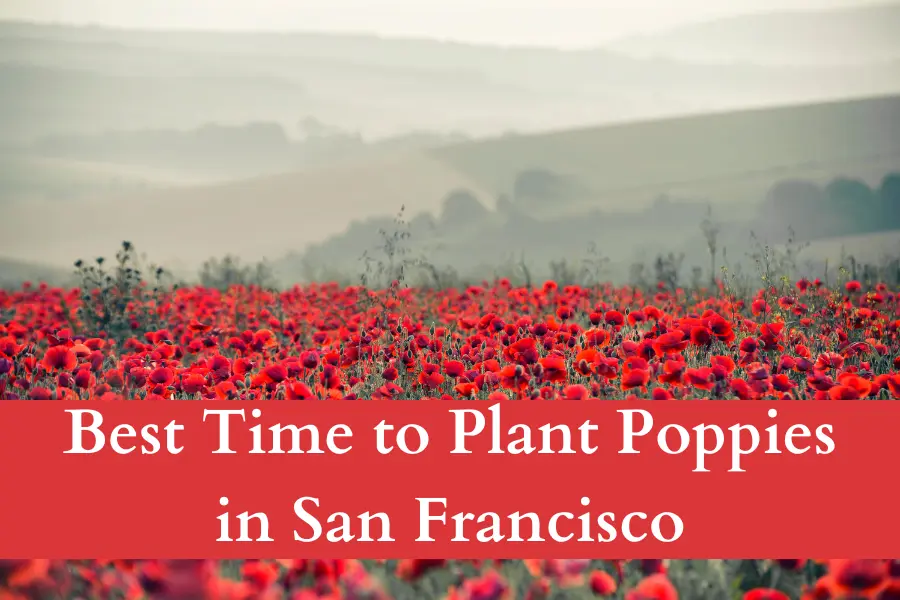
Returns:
<point x="540" y="24"/>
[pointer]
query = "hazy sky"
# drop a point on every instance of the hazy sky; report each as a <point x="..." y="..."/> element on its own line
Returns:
<point x="545" y="22"/>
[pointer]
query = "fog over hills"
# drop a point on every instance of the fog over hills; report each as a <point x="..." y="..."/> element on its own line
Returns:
<point x="61" y="79"/>
<point x="855" y="35"/>
<point x="511" y="189"/>
<point x="299" y="146"/>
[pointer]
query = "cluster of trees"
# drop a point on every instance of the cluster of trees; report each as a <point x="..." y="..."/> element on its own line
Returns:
<point x="465" y="230"/>
<point x="842" y="207"/>
<point x="536" y="186"/>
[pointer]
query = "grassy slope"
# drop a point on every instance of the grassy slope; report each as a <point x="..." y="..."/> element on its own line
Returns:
<point x="259" y="217"/>
<point x="730" y="156"/>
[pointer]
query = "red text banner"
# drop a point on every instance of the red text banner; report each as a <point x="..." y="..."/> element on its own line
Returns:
<point x="449" y="479"/>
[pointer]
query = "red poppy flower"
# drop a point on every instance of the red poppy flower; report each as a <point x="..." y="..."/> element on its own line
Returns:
<point x="59" y="358"/>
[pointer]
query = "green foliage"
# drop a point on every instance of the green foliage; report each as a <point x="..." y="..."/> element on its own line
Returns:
<point x="117" y="302"/>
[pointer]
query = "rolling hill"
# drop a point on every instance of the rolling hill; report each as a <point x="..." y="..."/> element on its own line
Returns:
<point x="264" y="216"/>
<point x="729" y="156"/>
<point x="857" y="35"/>
<point x="729" y="159"/>
<point x="65" y="79"/>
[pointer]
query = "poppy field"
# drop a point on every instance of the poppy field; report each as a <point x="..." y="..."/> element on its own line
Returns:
<point x="123" y="335"/>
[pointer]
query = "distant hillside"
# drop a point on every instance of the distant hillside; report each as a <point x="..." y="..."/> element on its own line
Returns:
<point x="858" y="35"/>
<point x="24" y="178"/>
<point x="15" y="272"/>
<point x="263" y="216"/>
<point x="64" y="80"/>
<point x="38" y="100"/>
<point x="729" y="160"/>
<point x="725" y="157"/>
